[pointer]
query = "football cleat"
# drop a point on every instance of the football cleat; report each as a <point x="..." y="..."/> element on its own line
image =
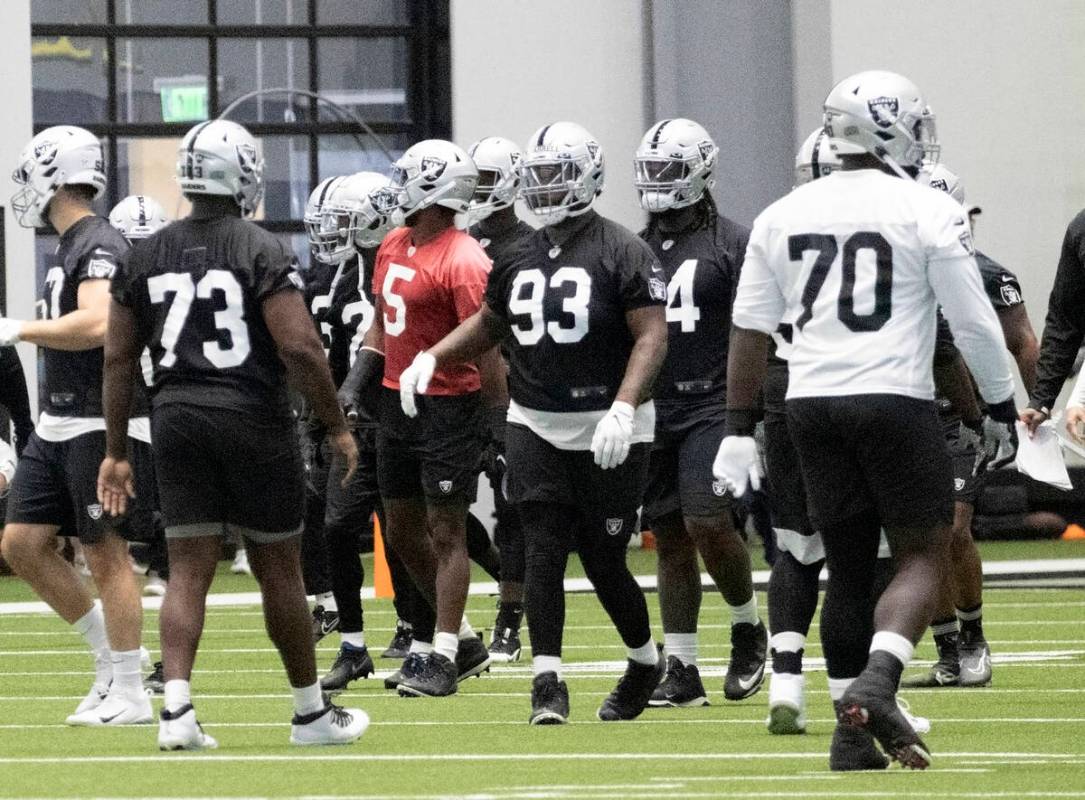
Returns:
<point x="472" y="658"/>
<point x="746" y="672"/>
<point x="118" y="708"/>
<point x="630" y="697"/>
<point x="329" y="725"/>
<point x="681" y="687"/>
<point x="946" y="670"/>
<point x="179" y="730"/>
<point x="241" y="563"/>
<point x="154" y="587"/>
<point x="401" y="642"/>
<point x="920" y="725"/>
<point x="95" y="697"/>
<point x="156" y="681"/>
<point x="436" y="678"/>
<point x="505" y="646"/>
<point x="787" y="704"/>
<point x="410" y="667"/>
<point x="549" y="700"/>
<point x="853" y="749"/>
<point x="324" y="622"/>
<point x="877" y="712"/>
<point x="351" y="664"/>
<point x="975" y="659"/>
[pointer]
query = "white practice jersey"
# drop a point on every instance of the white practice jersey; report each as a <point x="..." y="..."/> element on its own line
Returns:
<point x="854" y="265"/>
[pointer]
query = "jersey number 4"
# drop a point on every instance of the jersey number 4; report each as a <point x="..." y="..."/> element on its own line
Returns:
<point x="827" y="249"/>
<point x="230" y="319"/>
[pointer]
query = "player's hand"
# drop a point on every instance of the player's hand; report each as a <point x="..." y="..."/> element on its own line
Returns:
<point x="115" y="485"/>
<point x="1075" y="422"/>
<point x="998" y="446"/>
<point x="415" y="380"/>
<point x="613" y="435"/>
<point x="738" y="464"/>
<point x="11" y="331"/>
<point x="1033" y="418"/>
<point x="345" y="448"/>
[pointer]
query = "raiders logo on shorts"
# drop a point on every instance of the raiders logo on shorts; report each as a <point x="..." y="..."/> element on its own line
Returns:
<point x="445" y="486"/>
<point x="614" y="525"/>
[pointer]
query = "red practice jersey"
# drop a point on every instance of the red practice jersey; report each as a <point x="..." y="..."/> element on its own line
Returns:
<point x="427" y="291"/>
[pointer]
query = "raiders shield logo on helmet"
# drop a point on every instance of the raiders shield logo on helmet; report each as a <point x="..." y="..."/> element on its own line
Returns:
<point x="593" y="148"/>
<point x="432" y="168"/>
<point x="246" y="157"/>
<point x="45" y="152"/>
<point x="705" y="148"/>
<point x="884" y="110"/>
<point x="614" y="525"/>
<point x="444" y="486"/>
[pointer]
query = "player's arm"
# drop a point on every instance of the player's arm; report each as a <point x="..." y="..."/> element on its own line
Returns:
<point x="472" y="339"/>
<point x="82" y="329"/>
<point x="648" y="327"/>
<point x="123" y="346"/>
<point x="14" y="396"/>
<point x="1021" y="342"/>
<point x="951" y="377"/>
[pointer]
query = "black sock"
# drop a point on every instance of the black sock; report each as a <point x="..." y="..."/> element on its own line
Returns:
<point x="971" y="620"/>
<point x="793" y="594"/>
<point x="788" y="661"/>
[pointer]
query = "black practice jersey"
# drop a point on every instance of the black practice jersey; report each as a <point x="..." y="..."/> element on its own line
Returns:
<point x="701" y="266"/>
<point x="196" y="289"/>
<point x="497" y="240"/>
<point x="564" y="292"/>
<point x="72" y="382"/>
<point x="344" y="311"/>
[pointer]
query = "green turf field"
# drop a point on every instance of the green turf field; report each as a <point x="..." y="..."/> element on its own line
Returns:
<point x="1021" y="738"/>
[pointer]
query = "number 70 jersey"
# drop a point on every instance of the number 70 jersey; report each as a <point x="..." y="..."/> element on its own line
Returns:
<point x="196" y="289"/>
<point x="853" y="267"/>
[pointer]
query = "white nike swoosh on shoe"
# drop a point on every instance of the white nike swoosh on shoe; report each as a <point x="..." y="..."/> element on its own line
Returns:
<point x="747" y="684"/>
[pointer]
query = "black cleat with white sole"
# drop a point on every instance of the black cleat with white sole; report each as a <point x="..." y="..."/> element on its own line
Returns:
<point x="853" y="749"/>
<point x="975" y="659"/>
<point x="681" y="687"/>
<point x="324" y="622"/>
<point x="549" y="700"/>
<point x="436" y="678"/>
<point x="866" y="708"/>
<point x="401" y="642"/>
<point x="351" y="664"/>
<point x="630" y="697"/>
<point x="946" y="671"/>
<point x="472" y="658"/>
<point x="746" y="672"/>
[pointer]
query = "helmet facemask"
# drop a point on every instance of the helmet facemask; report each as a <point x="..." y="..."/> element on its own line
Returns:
<point x="663" y="183"/>
<point x="553" y="188"/>
<point x="487" y="198"/>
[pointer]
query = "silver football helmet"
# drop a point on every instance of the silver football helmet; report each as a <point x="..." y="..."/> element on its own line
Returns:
<point x="497" y="159"/>
<point x="58" y="156"/>
<point x="816" y="158"/>
<point x="221" y="157"/>
<point x="883" y="114"/>
<point x="432" y="172"/>
<point x="673" y="165"/>
<point x="137" y="217"/>
<point x="561" y="172"/>
<point x="350" y="216"/>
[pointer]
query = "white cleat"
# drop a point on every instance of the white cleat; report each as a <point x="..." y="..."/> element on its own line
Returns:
<point x="331" y="725"/>
<point x="144" y="658"/>
<point x="154" y="587"/>
<point x="787" y="704"/>
<point x="180" y="731"/>
<point x="95" y="697"/>
<point x="241" y="563"/>
<point x="920" y="725"/>
<point x="118" y="708"/>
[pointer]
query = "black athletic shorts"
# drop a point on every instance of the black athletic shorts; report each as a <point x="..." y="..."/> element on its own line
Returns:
<point x="349" y="508"/>
<point x="966" y="487"/>
<point x="879" y="452"/>
<point x="607" y="499"/>
<point x="223" y="471"/>
<point x="436" y="454"/>
<point x="786" y="489"/>
<point x="680" y="471"/>
<point x="56" y="483"/>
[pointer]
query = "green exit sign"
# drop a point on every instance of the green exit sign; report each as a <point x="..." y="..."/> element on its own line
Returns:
<point x="183" y="102"/>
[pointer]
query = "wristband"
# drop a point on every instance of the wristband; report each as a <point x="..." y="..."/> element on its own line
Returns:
<point x="1004" y="412"/>
<point x="740" y="422"/>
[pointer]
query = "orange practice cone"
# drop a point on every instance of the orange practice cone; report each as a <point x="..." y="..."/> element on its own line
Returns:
<point x="1073" y="532"/>
<point x="382" y="576"/>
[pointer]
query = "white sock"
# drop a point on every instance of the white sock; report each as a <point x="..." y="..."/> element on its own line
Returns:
<point x="787" y="642"/>
<point x="420" y="647"/>
<point x="647" y="653"/>
<point x="308" y="699"/>
<point x="355" y="640"/>
<point x="894" y="644"/>
<point x="747" y="612"/>
<point x="466" y="631"/>
<point x="446" y="644"/>
<point x="327" y="599"/>
<point x="837" y="687"/>
<point x="126" y="670"/>
<point x="91" y="626"/>
<point x="682" y="646"/>
<point x="178" y="693"/>
<point x="541" y="664"/>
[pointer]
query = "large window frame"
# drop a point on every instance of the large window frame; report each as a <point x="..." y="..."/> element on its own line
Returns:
<point x="428" y="79"/>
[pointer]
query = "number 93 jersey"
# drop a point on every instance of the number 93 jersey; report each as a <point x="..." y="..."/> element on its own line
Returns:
<point x="853" y="262"/>
<point x="564" y="292"/>
<point x="701" y="265"/>
<point x="196" y="289"/>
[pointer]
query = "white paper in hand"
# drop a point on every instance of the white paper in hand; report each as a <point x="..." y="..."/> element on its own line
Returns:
<point x="1041" y="457"/>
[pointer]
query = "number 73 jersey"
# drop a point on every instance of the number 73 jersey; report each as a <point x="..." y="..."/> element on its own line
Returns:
<point x="196" y="289"/>
<point x="855" y="264"/>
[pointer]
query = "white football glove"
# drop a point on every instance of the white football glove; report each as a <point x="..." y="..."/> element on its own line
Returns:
<point x="738" y="465"/>
<point x="10" y="331"/>
<point x="415" y="380"/>
<point x="613" y="435"/>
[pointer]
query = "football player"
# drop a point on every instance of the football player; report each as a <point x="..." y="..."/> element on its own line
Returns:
<point x="858" y="263"/>
<point x="498" y="229"/>
<point x="579" y="305"/>
<point x="218" y="301"/>
<point x="701" y="253"/>
<point x="430" y="275"/>
<point x="964" y="657"/>
<point x="60" y="173"/>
